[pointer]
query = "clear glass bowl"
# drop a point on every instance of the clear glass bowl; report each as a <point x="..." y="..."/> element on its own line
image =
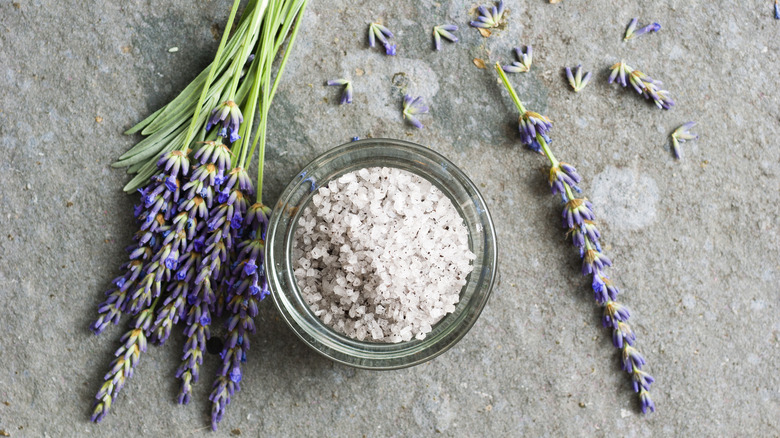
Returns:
<point x="380" y="153"/>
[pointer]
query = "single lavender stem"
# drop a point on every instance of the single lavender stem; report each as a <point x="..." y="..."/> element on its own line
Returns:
<point x="212" y="71"/>
<point x="578" y="218"/>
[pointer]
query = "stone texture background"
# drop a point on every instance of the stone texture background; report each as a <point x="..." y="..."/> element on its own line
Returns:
<point x="696" y="242"/>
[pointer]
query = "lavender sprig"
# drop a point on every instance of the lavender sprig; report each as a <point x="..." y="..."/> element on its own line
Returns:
<point x="413" y="107"/>
<point x="247" y="286"/>
<point x="631" y="31"/>
<point x="346" y="94"/>
<point x="642" y="84"/>
<point x="379" y="32"/>
<point x="578" y="219"/>
<point x="523" y="63"/>
<point x="681" y="135"/>
<point x="444" y="31"/>
<point x="576" y="79"/>
<point x="490" y="17"/>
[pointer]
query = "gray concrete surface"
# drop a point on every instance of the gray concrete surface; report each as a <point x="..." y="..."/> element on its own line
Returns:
<point x="696" y="243"/>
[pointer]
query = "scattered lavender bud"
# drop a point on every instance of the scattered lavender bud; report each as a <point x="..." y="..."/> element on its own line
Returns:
<point x="489" y="17"/>
<point x="681" y="135"/>
<point x="346" y="94"/>
<point x="777" y="10"/>
<point x="444" y="30"/>
<point x="523" y="63"/>
<point x="630" y="28"/>
<point x="576" y="79"/>
<point x="578" y="218"/>
<point x="379" y="32"/>
<point x="642" y="84"/>
<point x="631" y="31"/>
<point x="412" y="108"/>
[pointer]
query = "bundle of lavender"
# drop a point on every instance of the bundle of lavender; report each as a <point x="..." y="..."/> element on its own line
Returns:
<point x="198" y="253"/>
<point x="578" y="219"/>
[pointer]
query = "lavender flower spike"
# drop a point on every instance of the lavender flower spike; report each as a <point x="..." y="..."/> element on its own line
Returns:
<point x="412" y="108"/>
<point x="134" y="343"/>
<point x="229" y="115"/>
<point x="523" y="63"/>
<point x="578" y="218"/>
<point x="576" y="80"/>
<point x="346" y="95"/>
<point x="489" y="18"/>
<point x="681" y="135"/>
<point x="379" y="32"/>
<point x="444" y="30"/>
<point x="631" y="32"/>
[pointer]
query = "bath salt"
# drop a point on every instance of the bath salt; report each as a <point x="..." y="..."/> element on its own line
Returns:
<point x="381" y="255"/>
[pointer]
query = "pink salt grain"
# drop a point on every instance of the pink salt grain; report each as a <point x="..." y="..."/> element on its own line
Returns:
<point x="381" y="255"/>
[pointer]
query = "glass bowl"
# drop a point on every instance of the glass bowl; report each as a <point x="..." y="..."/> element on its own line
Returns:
<point x="349" y="157"/>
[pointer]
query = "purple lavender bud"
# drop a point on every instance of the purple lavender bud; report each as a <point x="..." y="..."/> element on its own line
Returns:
<point x="228" y="114"/>
<point x="594" y="262"/>
<point x="641" y="380"/>
<point x="489" y="18"/>
<point x="444" y="31"/>
<point x="532" y="126"/>
<point x="378" y="32"/>
<point x="777" y="17"/>
<point x="523" y="63"/>
<point x="346" y="94"/>
<point x="647" y="402"/>
<point x="412" y="107"/>
<point x="622" y="333"/>
<point x="250" y="267"/>
<point x="630" y="29"/>
<point x="631" y="359"/>
<point x="653" y="27"/>
<point x="614" y="313"/>
<point x="576" y="211"/>
<point x="235" y="374"/>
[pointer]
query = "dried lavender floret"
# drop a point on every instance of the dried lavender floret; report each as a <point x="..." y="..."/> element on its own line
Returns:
<point x="444" y="31"/>
<point x="632" y="32"/>
<point x="379" y="32"/>
<point x="576" y="79"/>
<point x="681" y="135"/>
<point x="412" y="107"/>
<point x="228" y="114"/>
<point x="524" y="61"/>
<point x="346" y="94"/>
<point x="490" y="17"/>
